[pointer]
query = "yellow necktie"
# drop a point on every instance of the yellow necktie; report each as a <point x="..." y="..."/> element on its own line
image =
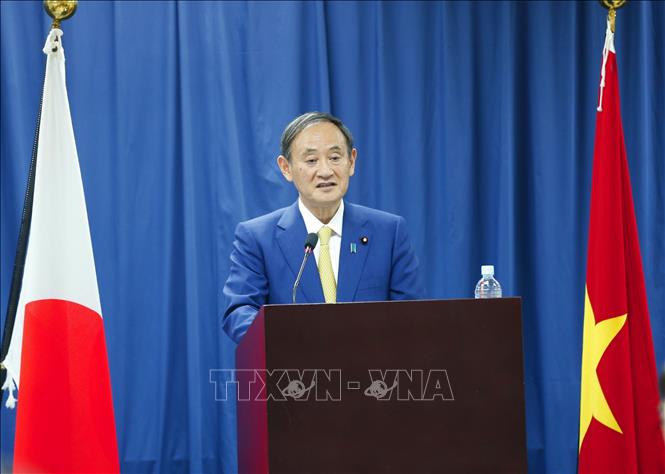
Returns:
<point x="326" y="274"/>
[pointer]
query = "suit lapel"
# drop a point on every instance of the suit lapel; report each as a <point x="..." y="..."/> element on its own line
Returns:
<point x="351" y="264"/>
<point x="291" y="233"/>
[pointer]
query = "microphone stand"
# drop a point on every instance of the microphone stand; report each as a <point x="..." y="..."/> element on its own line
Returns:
<point x="308" y="251"/>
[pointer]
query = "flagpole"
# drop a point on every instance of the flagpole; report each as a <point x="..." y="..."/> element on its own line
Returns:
<point x="58" y="10"/>
<point x="619" y="423"/>
<point x="612" y="6"/>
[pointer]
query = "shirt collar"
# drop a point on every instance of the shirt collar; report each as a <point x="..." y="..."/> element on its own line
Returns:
<point x="313" y="224"/>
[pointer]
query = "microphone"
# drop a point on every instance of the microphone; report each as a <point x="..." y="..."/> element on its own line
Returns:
<point x="310" y="242"/>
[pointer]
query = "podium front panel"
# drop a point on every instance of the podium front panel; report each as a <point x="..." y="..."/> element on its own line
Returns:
<point x="421" y="386"/>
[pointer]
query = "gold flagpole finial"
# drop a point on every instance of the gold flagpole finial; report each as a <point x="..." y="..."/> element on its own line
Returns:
<point x="60" y="10"/>
<point x="612" y="6"/>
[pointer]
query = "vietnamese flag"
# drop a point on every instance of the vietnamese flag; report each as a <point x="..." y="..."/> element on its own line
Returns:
<point x="619" y="421"/>
<point x="56" y="356"/>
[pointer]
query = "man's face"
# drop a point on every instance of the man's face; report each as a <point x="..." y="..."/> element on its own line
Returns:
<point x="320" y="166"/>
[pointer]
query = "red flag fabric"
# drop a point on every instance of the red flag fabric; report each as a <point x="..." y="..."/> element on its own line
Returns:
<point x="57" y="354"/>
<point x="619" y="421"/>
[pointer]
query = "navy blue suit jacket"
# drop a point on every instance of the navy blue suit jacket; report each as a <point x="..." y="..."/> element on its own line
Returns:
<point x="267" y="253"/>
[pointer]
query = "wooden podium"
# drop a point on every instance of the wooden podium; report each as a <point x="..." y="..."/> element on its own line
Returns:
<point x="394" y="387"/>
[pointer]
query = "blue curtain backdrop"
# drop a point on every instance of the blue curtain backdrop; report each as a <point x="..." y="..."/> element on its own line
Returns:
<point x="473" y="120"/>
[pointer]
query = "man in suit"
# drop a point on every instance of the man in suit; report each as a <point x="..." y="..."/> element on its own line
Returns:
<point x="362" y="255"/>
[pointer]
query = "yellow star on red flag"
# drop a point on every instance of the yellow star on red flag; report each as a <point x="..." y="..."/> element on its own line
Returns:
<point x="596" y="339"/>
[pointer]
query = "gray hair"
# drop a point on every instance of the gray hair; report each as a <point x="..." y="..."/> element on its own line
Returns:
<point x="300" y="123"/>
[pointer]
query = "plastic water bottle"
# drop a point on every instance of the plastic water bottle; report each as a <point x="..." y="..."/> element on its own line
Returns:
<point x="488" y="286"/>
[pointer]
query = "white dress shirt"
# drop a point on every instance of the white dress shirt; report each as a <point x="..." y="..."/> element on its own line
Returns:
<point x="313" y="224"/>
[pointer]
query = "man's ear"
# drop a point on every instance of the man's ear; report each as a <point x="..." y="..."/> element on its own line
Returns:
<point x="284" y="167"/>
<point x="352" y="158"/>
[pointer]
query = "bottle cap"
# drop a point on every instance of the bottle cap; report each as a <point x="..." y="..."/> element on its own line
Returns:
<point x="487" y="270"/>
